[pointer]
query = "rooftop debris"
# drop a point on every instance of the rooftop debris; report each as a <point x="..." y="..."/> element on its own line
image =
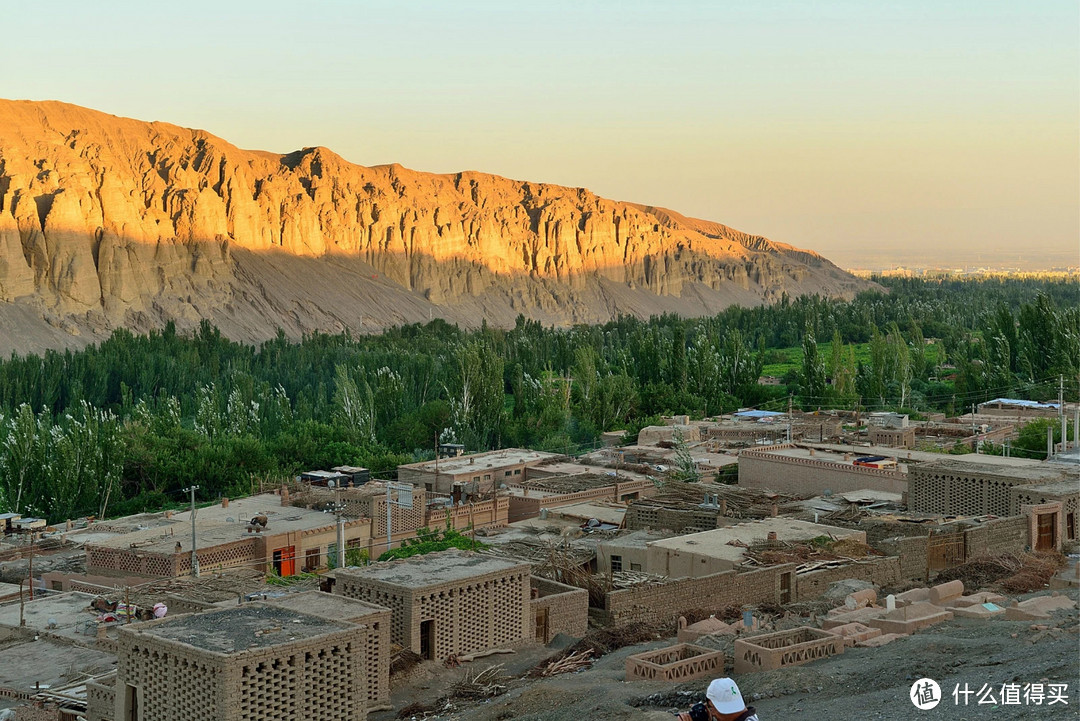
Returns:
<point x="740" y="502"/>
<point x="818" y="553"/>
<point x="403" y="660"/>
<point x="1021" y="573"/>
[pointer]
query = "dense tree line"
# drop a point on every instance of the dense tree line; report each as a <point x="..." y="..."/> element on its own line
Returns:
<point x="126" y="424"/>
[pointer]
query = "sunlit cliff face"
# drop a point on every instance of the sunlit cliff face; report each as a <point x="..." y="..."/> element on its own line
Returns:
<point x="108" y="222"/>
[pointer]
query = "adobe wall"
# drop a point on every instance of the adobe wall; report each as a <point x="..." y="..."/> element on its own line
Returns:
<point x="678" y="563"/>
<point x="116" y="562"/>
<point x="640" y="516"/>
<point x="490" y="513"/>
<point x="174" y="681"/>
<point x="664" y="603"/>
<point x="761" y="469"/>
<point x="881" y="572"/>
<point x="525" y="507"/>
<point x="911" y="550"/>
<point x="1002" y="535"/>
<point x="567" y="608"/>
<point x="101" y="699"/>
<point x="475" y="614"/>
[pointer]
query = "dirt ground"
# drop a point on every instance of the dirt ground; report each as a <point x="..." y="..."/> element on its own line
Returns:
<point x="862" y="683"/>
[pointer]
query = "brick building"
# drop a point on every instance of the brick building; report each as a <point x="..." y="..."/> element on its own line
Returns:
<point x="810" y="471"/>
<point x="293" y="540"/>
<point x="528" y="497"/>
<point x="375" y="620"/>
<point x="453" y="602"/>
<point x="1066" y="492"/>
<point x="250" y="663"/>
<point x="477" y="473"/>
<point x="983" y="485"/>
<point x="893" y="437"/>
<point x="708" y="552"/>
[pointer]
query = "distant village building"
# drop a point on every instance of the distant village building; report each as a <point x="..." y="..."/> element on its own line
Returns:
<point x="709" y="552"/>
<point x="902" y="437"/>
<point x="789" y="468"/>
<point x="480" y="473"/>
<point x="981" y="485"/>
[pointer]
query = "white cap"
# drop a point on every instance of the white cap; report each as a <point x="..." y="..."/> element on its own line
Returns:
<point x="725" y="696"/>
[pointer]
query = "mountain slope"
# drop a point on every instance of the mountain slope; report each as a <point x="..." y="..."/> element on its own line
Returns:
<point x="110" y="222"/>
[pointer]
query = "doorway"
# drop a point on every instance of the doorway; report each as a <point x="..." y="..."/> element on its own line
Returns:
<point x="1046" y="538"/>
<point x="131" y="703"/>
<point x="427" y="640"/>
<point x="285" y="561"/>
<point x="542" y="625"/>
<point x="785" y="588"/>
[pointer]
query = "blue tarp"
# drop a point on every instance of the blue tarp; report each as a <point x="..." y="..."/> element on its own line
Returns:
<point x="1025" y="404"/>
<point x="757" y="414"/>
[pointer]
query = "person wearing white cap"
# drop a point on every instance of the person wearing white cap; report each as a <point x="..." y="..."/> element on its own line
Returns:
<point x="724" y="702"/>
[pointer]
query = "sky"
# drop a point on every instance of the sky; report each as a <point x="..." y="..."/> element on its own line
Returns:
<point x="918" y="133"/>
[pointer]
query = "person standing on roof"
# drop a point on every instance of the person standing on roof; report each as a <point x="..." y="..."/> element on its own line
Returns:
<point x="723" y="702"/>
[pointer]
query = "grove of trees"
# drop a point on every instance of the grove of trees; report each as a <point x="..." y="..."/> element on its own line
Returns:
<point x="124" y="425"/>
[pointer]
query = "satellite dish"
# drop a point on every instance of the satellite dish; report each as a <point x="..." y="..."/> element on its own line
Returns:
<point x="330" y="484"/>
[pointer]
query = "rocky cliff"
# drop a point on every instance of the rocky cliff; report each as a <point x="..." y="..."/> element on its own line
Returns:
<point x="109" y="222"/>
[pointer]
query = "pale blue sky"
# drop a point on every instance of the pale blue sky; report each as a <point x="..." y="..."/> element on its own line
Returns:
<point x="905" y="129"/>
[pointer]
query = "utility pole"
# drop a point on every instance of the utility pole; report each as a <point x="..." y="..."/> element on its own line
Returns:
<point x="194" y="555"/>
<point x="789" y="421"/>
<point x="1061" y="410"/>
<point x="31" y="570"/>
<point x="339" y="509"/>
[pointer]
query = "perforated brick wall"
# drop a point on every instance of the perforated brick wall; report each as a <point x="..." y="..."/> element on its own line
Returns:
<point x="959" y="493"/>
<point x="101" y="699"/>
<point x="473" y="614"/>
<point x="320" y="678"/>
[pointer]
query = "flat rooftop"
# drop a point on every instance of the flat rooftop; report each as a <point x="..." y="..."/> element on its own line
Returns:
<point x="1024" y="470"/>
<point x="1068" y="487"/>
<point x="434" y="568"/>
<point x="830" y="456"/>
<point x="241" y="628"/>
<point x="636" y="539"/>
<point x="69" y="610"/>
<point x="714" y="543"/>
<point x="326" y="605"/>
<point x="215" y="525"/>
<point x="50" y="664"/>
<point x="571" y="483"/>
<point x="482" y="461"/>
<point x="900" y="454"/>
<point x="603" y="512"/>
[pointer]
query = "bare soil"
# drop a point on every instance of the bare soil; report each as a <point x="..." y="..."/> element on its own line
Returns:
<point x="863" y="683"/>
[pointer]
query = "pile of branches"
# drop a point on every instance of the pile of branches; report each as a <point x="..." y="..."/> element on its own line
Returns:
<point x="599" y="642"/>
<point x="740" y="502"/>
<point x="404" y="660"/>
<point x="479" y="685"/>
<point x="568" y="664"/>
<point x="1011" y="573"/>
<point x="771" y="553"/>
